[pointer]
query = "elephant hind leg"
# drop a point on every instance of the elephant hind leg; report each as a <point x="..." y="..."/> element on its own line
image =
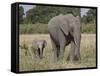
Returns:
<point x="61" y="55"/>
<point x="54" y="49"/>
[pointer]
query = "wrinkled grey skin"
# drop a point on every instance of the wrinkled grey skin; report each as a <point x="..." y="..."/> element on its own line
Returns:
<point x="39" y="46"/>
<point x="65" y="30"/>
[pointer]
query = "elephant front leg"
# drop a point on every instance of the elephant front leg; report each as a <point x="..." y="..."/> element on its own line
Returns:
<point x="77" y="39"/>
<point x="58" y="51"/>
<point x="36" y="53"/>
<point x="74" y="54"/>
<point x="77" y="54"/>
<point x="71" y="52"/>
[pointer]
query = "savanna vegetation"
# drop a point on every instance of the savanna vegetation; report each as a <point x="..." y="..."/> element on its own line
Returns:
<point x="36" y="19"/>
<point x="33" y="25"/>
<point x="28" y="62"/>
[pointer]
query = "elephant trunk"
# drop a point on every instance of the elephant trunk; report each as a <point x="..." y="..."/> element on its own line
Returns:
<point x="41" y="53"/>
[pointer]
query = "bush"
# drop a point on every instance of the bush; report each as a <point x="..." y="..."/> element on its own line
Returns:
<point x="88" y="28"/>
<point x="43" y="28"/>
<point x="32" y="28"/>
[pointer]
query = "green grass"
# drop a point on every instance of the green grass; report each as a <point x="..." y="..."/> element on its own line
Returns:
<point x="30" y="63"/>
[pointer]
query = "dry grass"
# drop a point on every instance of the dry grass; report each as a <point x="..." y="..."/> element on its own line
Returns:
<point x="30" y="63"/>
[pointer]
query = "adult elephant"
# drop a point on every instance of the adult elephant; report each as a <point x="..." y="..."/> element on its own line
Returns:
<point x="65" y="30"/>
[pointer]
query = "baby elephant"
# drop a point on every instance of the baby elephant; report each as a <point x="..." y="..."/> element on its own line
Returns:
<point x="39" y="46"/>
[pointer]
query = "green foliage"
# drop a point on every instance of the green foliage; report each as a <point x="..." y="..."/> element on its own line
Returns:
<point x="88" y="28"/>
<point x="42" y="14"/>
<point x="37" y="18"/>
<point x="33" y="28"/>
<point x="43" y="28"/>
<point x="90" y="17"/>
<point x="21" y="13"/>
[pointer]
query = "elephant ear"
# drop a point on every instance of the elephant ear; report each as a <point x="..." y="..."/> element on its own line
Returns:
<point x="64" y="26"/>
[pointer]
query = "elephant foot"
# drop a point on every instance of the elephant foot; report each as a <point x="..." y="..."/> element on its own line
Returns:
<point x="41" y="57"/>
<point x="56" y="59"/>
<point x="73" y="58"/>
<point x="60" y="57"/>
<point x="76" y="58"/>
<point x="68" y="58"/>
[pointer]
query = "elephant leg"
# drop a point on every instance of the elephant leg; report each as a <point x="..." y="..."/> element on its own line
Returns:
<point x="62" y="42"/>
<point x="54" y="49"/>
<point x="77" y="54"/>
<point x="74" y="54"/>
<point x="75" y="46"/>
<point x="77" y="39"/>
<point x="41" y="54"/>
<point x="71" y="52"/>
<point x="58" y="51"/>
<point x="62" y="47"/>
<point x="77" y="51"/>
<point x="36" y="53"/>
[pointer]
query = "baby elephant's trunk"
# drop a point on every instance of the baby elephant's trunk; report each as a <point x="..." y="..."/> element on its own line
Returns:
<point x="41" y="52"/>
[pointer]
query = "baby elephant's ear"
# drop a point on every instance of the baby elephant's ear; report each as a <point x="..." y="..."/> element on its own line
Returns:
<point x="45" y="43"/>
<point x="34" y="43"/>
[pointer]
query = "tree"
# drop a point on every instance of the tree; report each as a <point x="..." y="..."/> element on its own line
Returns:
<point x="21" y="13"/>
<point x="90" y="17"/>
<point x="42" y="14"/>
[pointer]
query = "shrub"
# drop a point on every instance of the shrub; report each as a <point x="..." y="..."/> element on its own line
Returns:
<point x="32" y="28"/>
<point x="88" y="28"/>
<point x="43" y="28"/>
